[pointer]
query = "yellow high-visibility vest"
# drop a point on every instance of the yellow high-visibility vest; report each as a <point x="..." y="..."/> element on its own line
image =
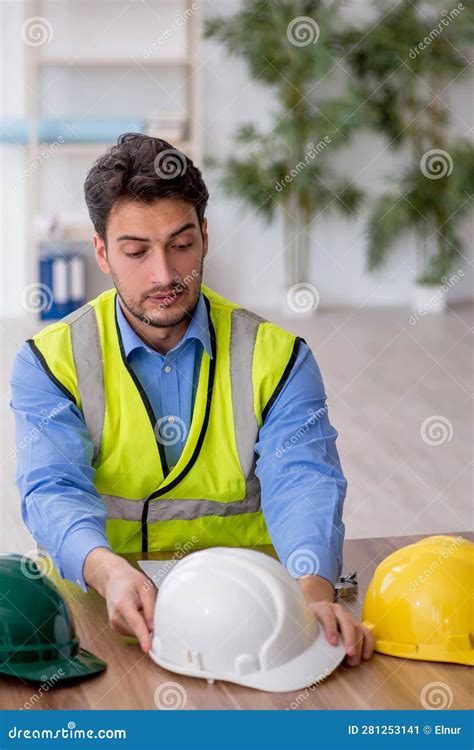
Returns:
<point x="211" y="496"/>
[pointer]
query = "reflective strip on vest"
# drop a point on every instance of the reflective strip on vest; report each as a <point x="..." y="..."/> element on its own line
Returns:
<point x="164" y="509"/>
<point x="243" y="332"/>
<point x="87" y="353"/>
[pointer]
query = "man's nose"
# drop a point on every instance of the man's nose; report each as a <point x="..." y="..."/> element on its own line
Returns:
<point x="160" y="269"/>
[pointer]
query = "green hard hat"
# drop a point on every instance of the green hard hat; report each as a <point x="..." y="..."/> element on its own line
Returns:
<point x="37" y="637"/>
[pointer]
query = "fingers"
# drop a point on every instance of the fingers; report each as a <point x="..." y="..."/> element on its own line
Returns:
<point x="358" y="640"/>
<point x="139" y="628"/>
<point x="132" y="614"/>
<point x="368" y="647"/>
<point x="148" y="600"/>
<point x="131" y="622"/>
<point x="348" y="628"/>
<point x="327" y="617"/>
<point x="131" y="610"/>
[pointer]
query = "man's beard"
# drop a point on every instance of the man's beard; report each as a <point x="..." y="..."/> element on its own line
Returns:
<point x="161" y="316"/>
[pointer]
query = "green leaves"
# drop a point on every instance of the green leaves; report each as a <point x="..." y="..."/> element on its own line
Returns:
<point x="404" y="59"/>
<point x="398" y="66"/>
<point x="390" y="217"/>
<point x="260" y="33"/>
<point x="403" y="64"/>
<point x="290" y="45"/>
<point x="254" y="182"/>
<point x="429" y="203"/>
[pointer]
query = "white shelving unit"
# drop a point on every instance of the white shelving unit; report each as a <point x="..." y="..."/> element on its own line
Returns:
<point x="134" y="60"/>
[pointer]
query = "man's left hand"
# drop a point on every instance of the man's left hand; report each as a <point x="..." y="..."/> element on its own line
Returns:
<point x="358" y="640"/>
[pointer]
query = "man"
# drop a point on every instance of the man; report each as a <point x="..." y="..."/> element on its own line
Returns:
<point x="166" y="417"/>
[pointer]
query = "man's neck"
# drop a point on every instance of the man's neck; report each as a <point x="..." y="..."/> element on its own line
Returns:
<point x="160" y="339"/>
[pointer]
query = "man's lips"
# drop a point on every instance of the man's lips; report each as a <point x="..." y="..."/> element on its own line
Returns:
<point x="164" y="298"/>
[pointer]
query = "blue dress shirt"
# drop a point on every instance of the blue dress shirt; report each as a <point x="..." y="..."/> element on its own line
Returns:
<point x="302" y="483"/>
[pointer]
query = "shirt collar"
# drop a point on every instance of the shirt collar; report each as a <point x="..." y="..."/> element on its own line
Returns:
<point x="197" y="329"/>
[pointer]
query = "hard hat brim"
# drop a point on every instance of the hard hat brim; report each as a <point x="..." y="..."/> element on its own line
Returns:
<point x="81" y="665"/>
<point x="313" y="665"/>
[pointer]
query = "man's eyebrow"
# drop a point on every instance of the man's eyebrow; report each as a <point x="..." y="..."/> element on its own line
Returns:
<point x="189" y="225"/>
<point x="133" y="238"/>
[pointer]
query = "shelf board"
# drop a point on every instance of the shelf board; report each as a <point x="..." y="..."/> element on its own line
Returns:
<point x="84" y="148"/>
<point x="113" y="62"/>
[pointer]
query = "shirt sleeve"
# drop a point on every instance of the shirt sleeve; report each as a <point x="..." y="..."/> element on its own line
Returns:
<point x="302" y="483"/>
<point x="54" y="473"/>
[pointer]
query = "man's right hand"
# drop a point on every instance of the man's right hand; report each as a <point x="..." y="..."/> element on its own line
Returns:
<point x="129" y="594"/>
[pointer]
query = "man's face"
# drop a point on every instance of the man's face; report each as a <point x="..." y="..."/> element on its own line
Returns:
<point x="155" y="256"/>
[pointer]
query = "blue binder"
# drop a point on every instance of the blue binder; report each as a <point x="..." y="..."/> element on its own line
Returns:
<point x="62" y="279"/>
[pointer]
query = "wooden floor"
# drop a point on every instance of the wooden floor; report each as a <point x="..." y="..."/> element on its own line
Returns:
<point x="384" y="377"/>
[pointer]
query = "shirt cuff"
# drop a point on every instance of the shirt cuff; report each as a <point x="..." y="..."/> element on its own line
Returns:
<point x="313" y="559"/>
<point x="74" y="550"/>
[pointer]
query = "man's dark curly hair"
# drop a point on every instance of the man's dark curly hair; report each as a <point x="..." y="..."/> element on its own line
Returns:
<point x="144" y="169"/>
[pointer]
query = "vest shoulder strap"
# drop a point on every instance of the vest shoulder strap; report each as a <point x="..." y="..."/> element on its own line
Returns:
<point x="88" y="360"/>
<point x="243" y="335"/>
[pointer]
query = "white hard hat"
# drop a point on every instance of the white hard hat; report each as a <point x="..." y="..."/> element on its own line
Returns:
<point x="235" y="614"/>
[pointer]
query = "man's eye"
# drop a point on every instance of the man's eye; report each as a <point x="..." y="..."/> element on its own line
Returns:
<point x="135" y="255"/>
<point x="183" y="247"/>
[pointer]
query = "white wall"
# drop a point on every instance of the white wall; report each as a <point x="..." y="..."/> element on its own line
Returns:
<point x="12" y="161"/>
<point x="245" y="261"/>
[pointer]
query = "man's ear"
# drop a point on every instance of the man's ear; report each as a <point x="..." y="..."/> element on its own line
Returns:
<point x="205" y="237"/>
<point x="101" y="254"/>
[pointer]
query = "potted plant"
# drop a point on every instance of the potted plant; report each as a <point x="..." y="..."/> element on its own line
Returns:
<point x="290" y="46"/>
<point x="403" y="64"/>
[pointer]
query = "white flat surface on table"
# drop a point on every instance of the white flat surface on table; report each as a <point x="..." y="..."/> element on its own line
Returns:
<point x="157" y="570"/>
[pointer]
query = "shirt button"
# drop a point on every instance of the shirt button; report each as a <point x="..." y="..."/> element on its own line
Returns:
<point x="167" y="368"/>
<point x="171" y="420"/>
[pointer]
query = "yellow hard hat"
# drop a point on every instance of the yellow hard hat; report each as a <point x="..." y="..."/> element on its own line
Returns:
<point x="419" y="602"/>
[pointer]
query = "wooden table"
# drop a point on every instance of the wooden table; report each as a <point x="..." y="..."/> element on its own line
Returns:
<point x="132" y="678"/>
